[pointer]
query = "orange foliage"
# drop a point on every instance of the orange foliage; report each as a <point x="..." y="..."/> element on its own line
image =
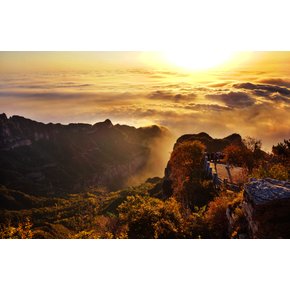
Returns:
<point x="148" y="217"/>
<point x="186" y="164"/>
<point x="215" y="216"/>
<point x="21" y="231"/>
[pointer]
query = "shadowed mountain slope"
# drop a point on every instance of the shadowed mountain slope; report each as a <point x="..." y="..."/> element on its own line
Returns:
<point x="51" y="158"/>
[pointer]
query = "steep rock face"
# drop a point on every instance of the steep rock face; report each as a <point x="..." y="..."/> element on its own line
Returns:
<point x="53" y="158"/>
<point x="212" y="145"/>
<point x="267" y="208"/>
<point x="167" y="182"/>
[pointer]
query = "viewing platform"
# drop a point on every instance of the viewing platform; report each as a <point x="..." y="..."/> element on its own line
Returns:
<point x="223" y="174"/>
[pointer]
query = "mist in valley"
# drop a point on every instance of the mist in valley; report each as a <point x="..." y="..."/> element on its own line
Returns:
<point x="160" y="150"/>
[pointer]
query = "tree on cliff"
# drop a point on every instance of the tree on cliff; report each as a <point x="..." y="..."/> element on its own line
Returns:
<point x="234" y="155"/>
<point x="248" y="156"/>
<point x="277" y="167"/>
<point x="187" y="174"/>
<point x="282" y="150"/>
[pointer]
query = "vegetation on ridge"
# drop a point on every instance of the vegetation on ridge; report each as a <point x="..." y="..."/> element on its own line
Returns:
<point x="194" y="208"/>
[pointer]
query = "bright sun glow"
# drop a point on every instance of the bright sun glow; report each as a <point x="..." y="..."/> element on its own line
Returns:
<point x="197" y="60"/>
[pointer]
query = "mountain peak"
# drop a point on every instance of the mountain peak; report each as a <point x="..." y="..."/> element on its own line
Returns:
<point x="203" y="135"/>
<point x="234" y="137"/>
<point x="3" y="117"/>
<point x="108" y="122"/>
<point x="70" y="158"/>
<point x="105" y="124"/>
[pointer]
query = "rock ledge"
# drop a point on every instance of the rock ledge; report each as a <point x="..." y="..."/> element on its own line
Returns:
<point x="266" y="190"/>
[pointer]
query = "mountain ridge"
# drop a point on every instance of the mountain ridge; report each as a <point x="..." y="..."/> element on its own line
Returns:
<point x="56" y="158"/>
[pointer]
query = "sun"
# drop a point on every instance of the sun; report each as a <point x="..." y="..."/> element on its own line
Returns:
<point x="197" y="60"/>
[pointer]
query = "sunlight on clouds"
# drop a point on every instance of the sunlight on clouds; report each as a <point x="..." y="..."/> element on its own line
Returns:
<point x="197" y="60"/>
<point x="193" y="61"/>
<point x="248" y="93"/>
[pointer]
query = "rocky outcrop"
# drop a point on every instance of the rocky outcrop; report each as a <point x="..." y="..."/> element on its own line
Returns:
<point x="185" y="176"/>
<point x="55" y="158"/>
<point x="18" y="131"/>
<point x="266" y="206"/>
<point x="212" y="145"/>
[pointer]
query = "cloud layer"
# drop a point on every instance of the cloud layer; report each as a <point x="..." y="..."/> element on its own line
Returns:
<point x="267" y="88"/>
<point x="233" y="99"/>
<point x="219" y="104"/>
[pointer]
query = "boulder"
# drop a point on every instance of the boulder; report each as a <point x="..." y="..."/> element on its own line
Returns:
<point x="266" y="206"/>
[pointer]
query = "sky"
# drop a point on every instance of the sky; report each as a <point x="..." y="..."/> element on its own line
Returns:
<point x="187" y="91"/>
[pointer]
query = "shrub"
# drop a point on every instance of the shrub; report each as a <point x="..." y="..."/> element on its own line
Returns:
<point x="276" y="171"/>
<point x="148" y="217"/>
<point x="215" y="215"/>
<point x="21" y="231"/>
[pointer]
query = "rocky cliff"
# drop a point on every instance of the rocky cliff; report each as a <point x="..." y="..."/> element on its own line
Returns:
<point x="54" y="158"/>
<point x="212" y="144"/>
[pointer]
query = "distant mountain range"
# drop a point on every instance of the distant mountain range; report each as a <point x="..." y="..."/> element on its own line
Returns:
<point x="40" y="158"/>
<point x="55" y="159"/>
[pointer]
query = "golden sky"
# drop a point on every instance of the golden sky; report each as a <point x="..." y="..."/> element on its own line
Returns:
<point x="218" y="92"/>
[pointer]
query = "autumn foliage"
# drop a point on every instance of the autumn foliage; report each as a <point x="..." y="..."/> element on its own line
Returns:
<point x="21" y="231"/>
<point x="215" y="216"/>
<point x="189" y="183"/>
<point x="248" y="156"/>
<point x="148" y="217"/>
<point x="194" y="209"/>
